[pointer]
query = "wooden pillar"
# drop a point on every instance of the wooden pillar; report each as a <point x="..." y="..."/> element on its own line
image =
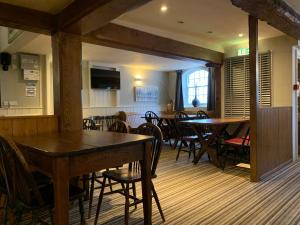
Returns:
<point x="67" y="54"/>
<point x="217" y="79"/>
<point x="253" y="63"/>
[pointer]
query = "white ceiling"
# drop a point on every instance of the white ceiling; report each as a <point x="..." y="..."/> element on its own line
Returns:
<point x="200" y="16"/>
<point x="50" y="6"/>
<point x="41" y="44"/>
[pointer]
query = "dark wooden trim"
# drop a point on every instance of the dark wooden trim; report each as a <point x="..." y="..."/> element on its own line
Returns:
<point x="26" y="19"/>
<point x="253" y="63"/>
<point x="82" y="17"/>
<point x="276" y="13"/>
<point x="116" y="36"/>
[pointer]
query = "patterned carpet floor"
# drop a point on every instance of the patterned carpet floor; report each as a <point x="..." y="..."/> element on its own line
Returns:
<point x="203" y="194"/>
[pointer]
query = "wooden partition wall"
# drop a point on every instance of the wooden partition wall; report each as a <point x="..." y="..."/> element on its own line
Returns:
<point x="271" y="128"/>
<point x="28" y="125"/>
<point x="274" y="139"/>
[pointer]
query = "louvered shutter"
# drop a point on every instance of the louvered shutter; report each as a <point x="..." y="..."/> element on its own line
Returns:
<point x="237" y="84"/>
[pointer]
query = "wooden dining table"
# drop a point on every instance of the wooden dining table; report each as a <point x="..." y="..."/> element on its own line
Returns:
<point x="217" y="127"/>
<point x="64" y="155"/>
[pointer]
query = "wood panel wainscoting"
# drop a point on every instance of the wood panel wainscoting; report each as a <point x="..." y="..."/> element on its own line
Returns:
<point x="28" y="125"/>
<point x="274" y="140"/>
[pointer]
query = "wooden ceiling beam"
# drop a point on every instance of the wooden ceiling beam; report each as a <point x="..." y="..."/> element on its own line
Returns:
<point x="116" y="36"/>
<point x="26" y="19"/>
<point x="277" y="13"/>
<point x="82" y="17"/>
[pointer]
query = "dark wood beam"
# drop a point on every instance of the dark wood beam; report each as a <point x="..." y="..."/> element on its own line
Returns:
<point x="275" y="12"/>
<point x="253" y="66"/>
<point x="82" y="17"/>
<point x="116" y="36"/>
<point x="26" y="19"/>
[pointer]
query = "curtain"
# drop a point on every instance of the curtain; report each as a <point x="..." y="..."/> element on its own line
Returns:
<point x="211" y="89"/>
<point x="179" y="94"/>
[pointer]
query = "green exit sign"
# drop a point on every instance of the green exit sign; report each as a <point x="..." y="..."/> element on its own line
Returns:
<point x="243" y="51"/>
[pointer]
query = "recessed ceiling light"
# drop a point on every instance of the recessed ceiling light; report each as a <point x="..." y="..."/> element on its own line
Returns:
<point x="241" y="35"/>
<point x="163" y="8"/>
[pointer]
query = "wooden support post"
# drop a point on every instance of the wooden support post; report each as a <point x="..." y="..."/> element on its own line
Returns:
<point x="253" y="59"/>
<point x="67" y="54"/>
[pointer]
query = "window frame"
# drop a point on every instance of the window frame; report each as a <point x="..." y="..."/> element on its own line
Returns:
<point x="185" y="79"/>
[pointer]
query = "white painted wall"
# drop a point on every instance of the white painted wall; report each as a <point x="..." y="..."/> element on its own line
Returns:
<point x="103" y="102"/>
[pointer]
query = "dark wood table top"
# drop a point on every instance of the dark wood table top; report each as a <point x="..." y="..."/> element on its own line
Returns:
<point x="79" y="142"/>
<point x="172" y="116"/>
<point x="215" y="121"/>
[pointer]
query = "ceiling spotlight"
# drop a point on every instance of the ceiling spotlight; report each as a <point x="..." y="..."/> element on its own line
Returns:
<point x="241" y="35"/>
<point x="163" y="8"/>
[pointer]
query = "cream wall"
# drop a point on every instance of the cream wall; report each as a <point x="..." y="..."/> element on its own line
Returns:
<point x="281" y="48"/>
<point x="103" y="102"/>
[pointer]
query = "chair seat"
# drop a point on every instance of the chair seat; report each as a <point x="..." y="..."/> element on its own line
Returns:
<point x="238" y="141"/>
<point x="39" y="178"/>
<point x="47" y="193"/>
<point x="124" y="175"/>
<point x="190" y="138"/>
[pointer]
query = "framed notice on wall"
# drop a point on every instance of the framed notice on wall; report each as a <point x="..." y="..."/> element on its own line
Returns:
<point x="146" y="94"/>
<point x="30" y="90"/>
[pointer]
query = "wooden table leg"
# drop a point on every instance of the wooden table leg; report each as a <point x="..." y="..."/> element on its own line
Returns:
<point x="61" y="191"/>
<point x="206" y="145"/>
<point x="146" y="184"/>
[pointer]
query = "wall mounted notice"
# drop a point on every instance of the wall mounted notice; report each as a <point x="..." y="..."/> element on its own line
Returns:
<point x="31" y="74"/>
<point x="30" y="90"/>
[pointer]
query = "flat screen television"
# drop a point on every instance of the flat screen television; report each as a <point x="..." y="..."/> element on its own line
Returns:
<point x="105" y="79"/>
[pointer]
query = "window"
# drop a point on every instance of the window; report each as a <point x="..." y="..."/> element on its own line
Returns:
<point x="195" y="83"/>
<point x="237" y="86"/>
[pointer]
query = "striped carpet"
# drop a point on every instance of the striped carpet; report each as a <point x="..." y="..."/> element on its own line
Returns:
<point x="204" y="194"/>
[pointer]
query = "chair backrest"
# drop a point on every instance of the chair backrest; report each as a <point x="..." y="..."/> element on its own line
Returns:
<point x="16" y="178"/>
<point x="151" y="117"/>
<point x="246" y="138"/>
<point x="119" y="126"/>
<point x="110" y="120"/>
<point x="181" y="116"/>
<point x="89" y="124"/>
<point x="202" y="115"/>
<point x="157" y="143"/>
<point x="180" y="128"/>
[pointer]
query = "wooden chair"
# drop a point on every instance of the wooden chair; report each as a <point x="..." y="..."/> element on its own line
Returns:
<point x="239" y="147"/>
<point x="120" y="127"/>
<point x="132" y="174"/>
<point x="99" y="122"/>
<point x="152" y="117"/>
<point x="185" y="135"/>
<point x="22" y="191"/>
<point x="202" y="115"/>
<point x="109" y="120"/>
<point x="89" y="124"/>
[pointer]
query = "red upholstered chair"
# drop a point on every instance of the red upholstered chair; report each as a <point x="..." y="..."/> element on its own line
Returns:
<point x="239" y="147"/>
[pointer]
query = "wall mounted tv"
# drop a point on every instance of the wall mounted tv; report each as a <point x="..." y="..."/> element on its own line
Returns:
<point x="105" y="79"/>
